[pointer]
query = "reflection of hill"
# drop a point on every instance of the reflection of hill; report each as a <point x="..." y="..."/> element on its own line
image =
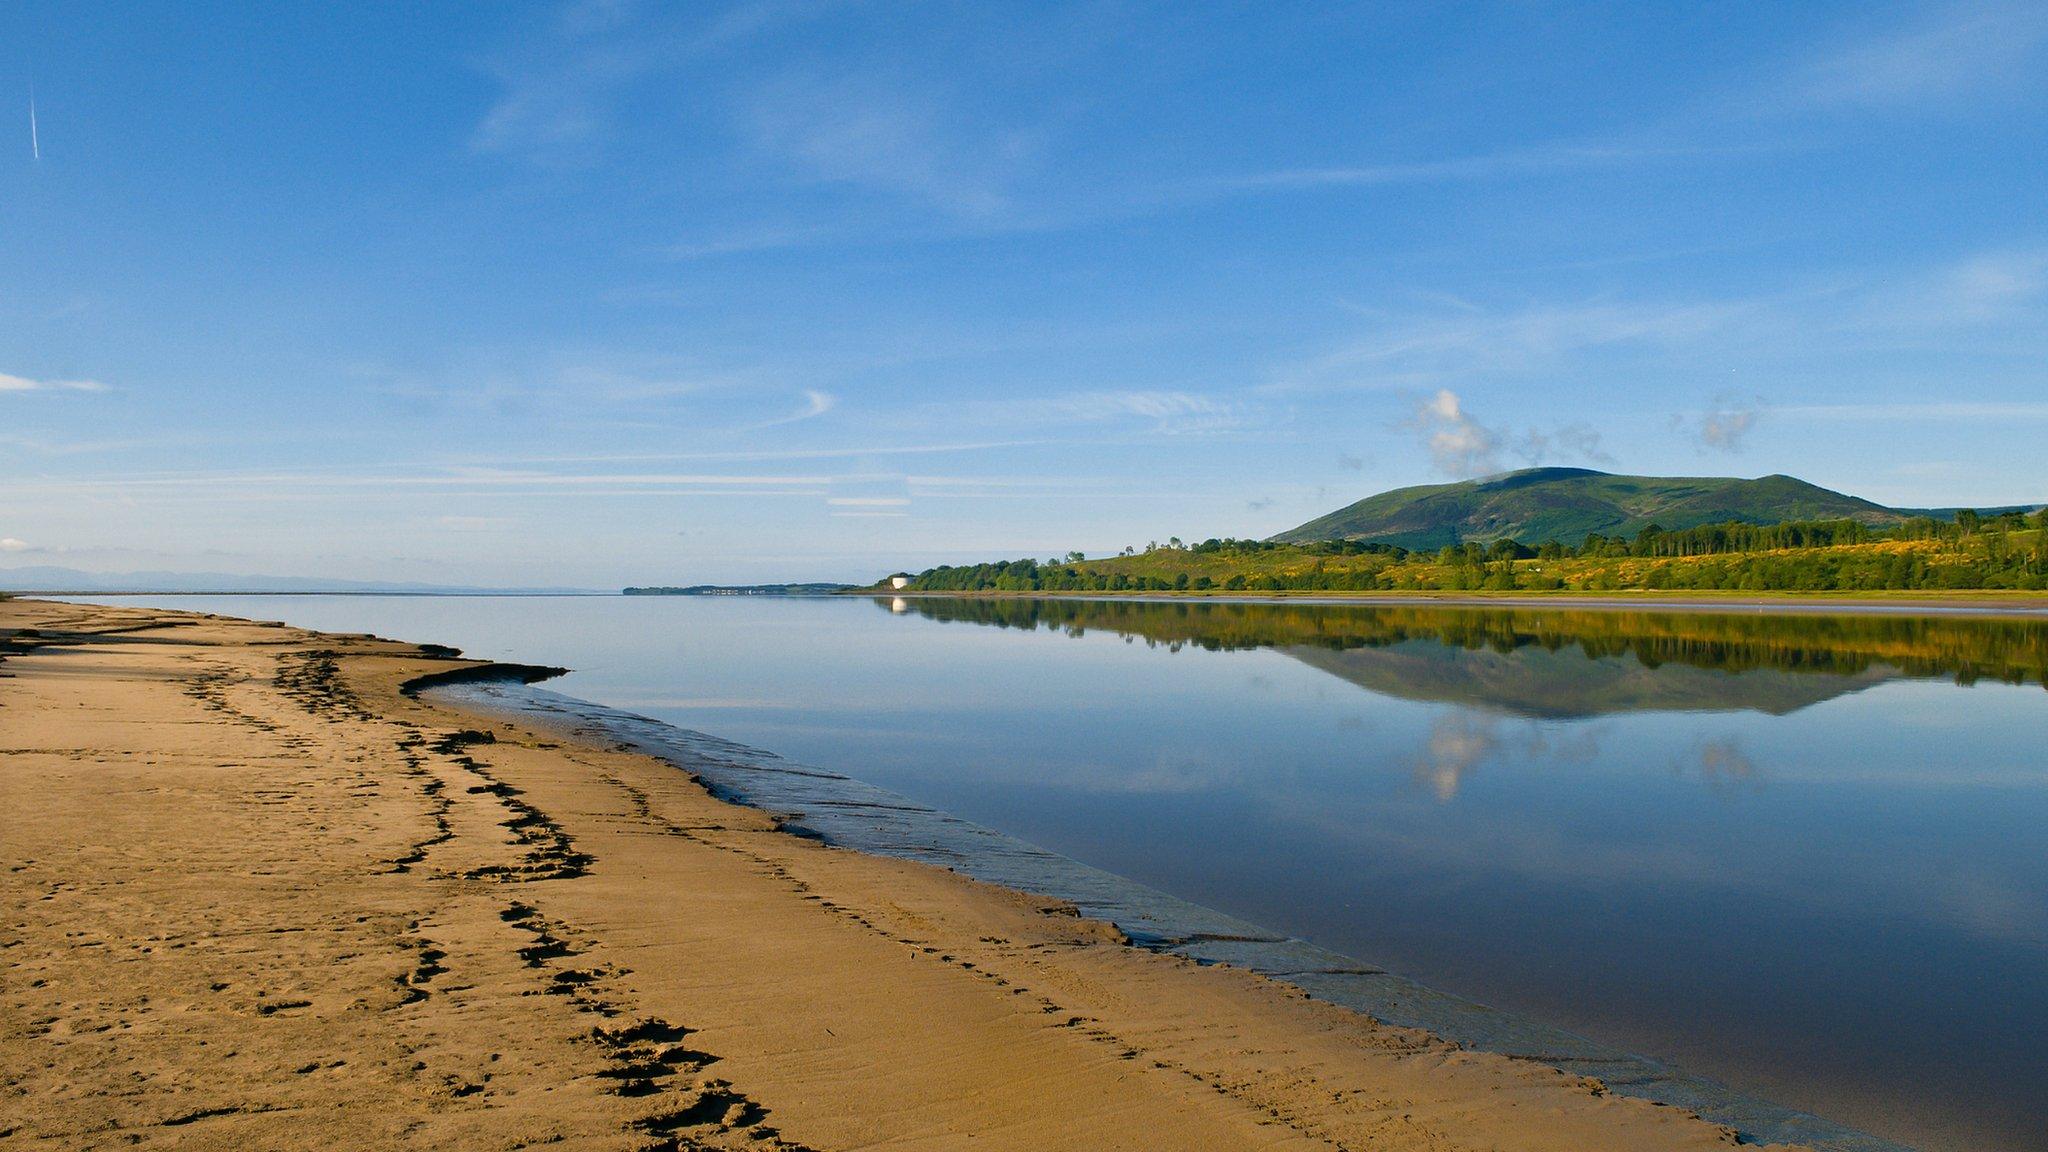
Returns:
<point x="1562" y="662"/>
<point x="1535" y="681"/>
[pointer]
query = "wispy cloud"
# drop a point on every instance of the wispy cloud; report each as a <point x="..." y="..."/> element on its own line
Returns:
<point x="1937" y="410"/>
<point x="1183" y="411"/>
<point x="1999" y="297"/>
<point x="888" y="135"/>
<point x="10" y="544"/>
<point x="27" y="384"/>
<point x="958" y="447"/>
<point x="741" y="241"/>
<point x="868" y="501"/>
<point x="1456" y="339"/>
<point x="472" y="523"/>
<point x="816" y="404"/>
<point x="1164" y="411"/>
<point x="560" y="85"/>
<point x="1984" y="288"/>
<point x="289" y="486"/>
<point x="1724" y="425"/>
<point x="1958" y="50"/>
<point x="1487" y="166"/>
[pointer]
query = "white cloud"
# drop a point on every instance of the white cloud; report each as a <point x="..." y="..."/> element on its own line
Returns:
<point x="10" y="544"/>
<point x="25" y="384"/>
<point x="868" y="501"/>
<point x="1460" y="445"/>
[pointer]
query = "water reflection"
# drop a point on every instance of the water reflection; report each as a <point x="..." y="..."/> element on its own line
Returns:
<point x="1805" y="852"/>
<point x="1721" y="764"/>
<point x="1458" y="741"/>
<point x="1559" y="663"/>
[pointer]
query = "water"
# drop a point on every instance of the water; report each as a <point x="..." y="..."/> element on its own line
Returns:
<point x="1804" y="855"/>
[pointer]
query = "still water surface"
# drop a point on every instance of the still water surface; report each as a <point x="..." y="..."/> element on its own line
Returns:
<point x="1805" y="855"/>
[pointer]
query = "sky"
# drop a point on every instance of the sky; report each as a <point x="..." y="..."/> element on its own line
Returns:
<point x="603" y="293"/>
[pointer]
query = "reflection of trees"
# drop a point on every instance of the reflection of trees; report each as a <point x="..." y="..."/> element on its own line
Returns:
<point x="2014" y="651"/>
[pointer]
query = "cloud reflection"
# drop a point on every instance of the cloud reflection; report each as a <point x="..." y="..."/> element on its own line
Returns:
<point x="1458" y="743"/>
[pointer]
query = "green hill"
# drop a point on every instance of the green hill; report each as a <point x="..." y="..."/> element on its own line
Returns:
<point x="1568" y="504"/>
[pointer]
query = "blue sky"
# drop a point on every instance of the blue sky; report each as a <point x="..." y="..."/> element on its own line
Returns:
<point x="604" y="292"/>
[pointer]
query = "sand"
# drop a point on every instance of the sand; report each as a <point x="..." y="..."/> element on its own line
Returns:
<point x="256" y="896"/>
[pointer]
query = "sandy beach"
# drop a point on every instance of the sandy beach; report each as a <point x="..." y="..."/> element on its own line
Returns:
<point x="257" y="896"/>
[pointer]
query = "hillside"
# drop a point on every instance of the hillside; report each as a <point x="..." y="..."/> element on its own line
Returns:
<point x="1568" y="504"/>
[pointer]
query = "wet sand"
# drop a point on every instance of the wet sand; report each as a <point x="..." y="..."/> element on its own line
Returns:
<point x="258" y="896"/>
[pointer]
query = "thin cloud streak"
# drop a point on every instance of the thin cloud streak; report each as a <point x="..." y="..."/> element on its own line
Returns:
<point x="800" y="453"/>
<point x="1960" y="410"/>
<point x="480" y="480"/>
<point x="10" y="383"/>
<point x="1492" y="166"/>
<point x="816" y="404"/>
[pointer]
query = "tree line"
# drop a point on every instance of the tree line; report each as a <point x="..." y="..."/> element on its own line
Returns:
<point x="1972" y="551"/>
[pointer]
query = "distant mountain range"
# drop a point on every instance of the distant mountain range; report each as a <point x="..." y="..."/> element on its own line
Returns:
<point x="45" y="578"/>
<point x="1569" y="504"/>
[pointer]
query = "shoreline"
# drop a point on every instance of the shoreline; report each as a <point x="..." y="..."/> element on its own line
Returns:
<point x="1827" y="603"/>
<point x="846" y="813"/>
<point x="432" y="870"/>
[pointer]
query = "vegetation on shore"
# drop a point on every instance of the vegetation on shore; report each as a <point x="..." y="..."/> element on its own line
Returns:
<point x="2004" y="551"/>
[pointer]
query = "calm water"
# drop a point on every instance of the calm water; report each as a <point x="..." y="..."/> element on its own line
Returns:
<point x="1804" y="855"/>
